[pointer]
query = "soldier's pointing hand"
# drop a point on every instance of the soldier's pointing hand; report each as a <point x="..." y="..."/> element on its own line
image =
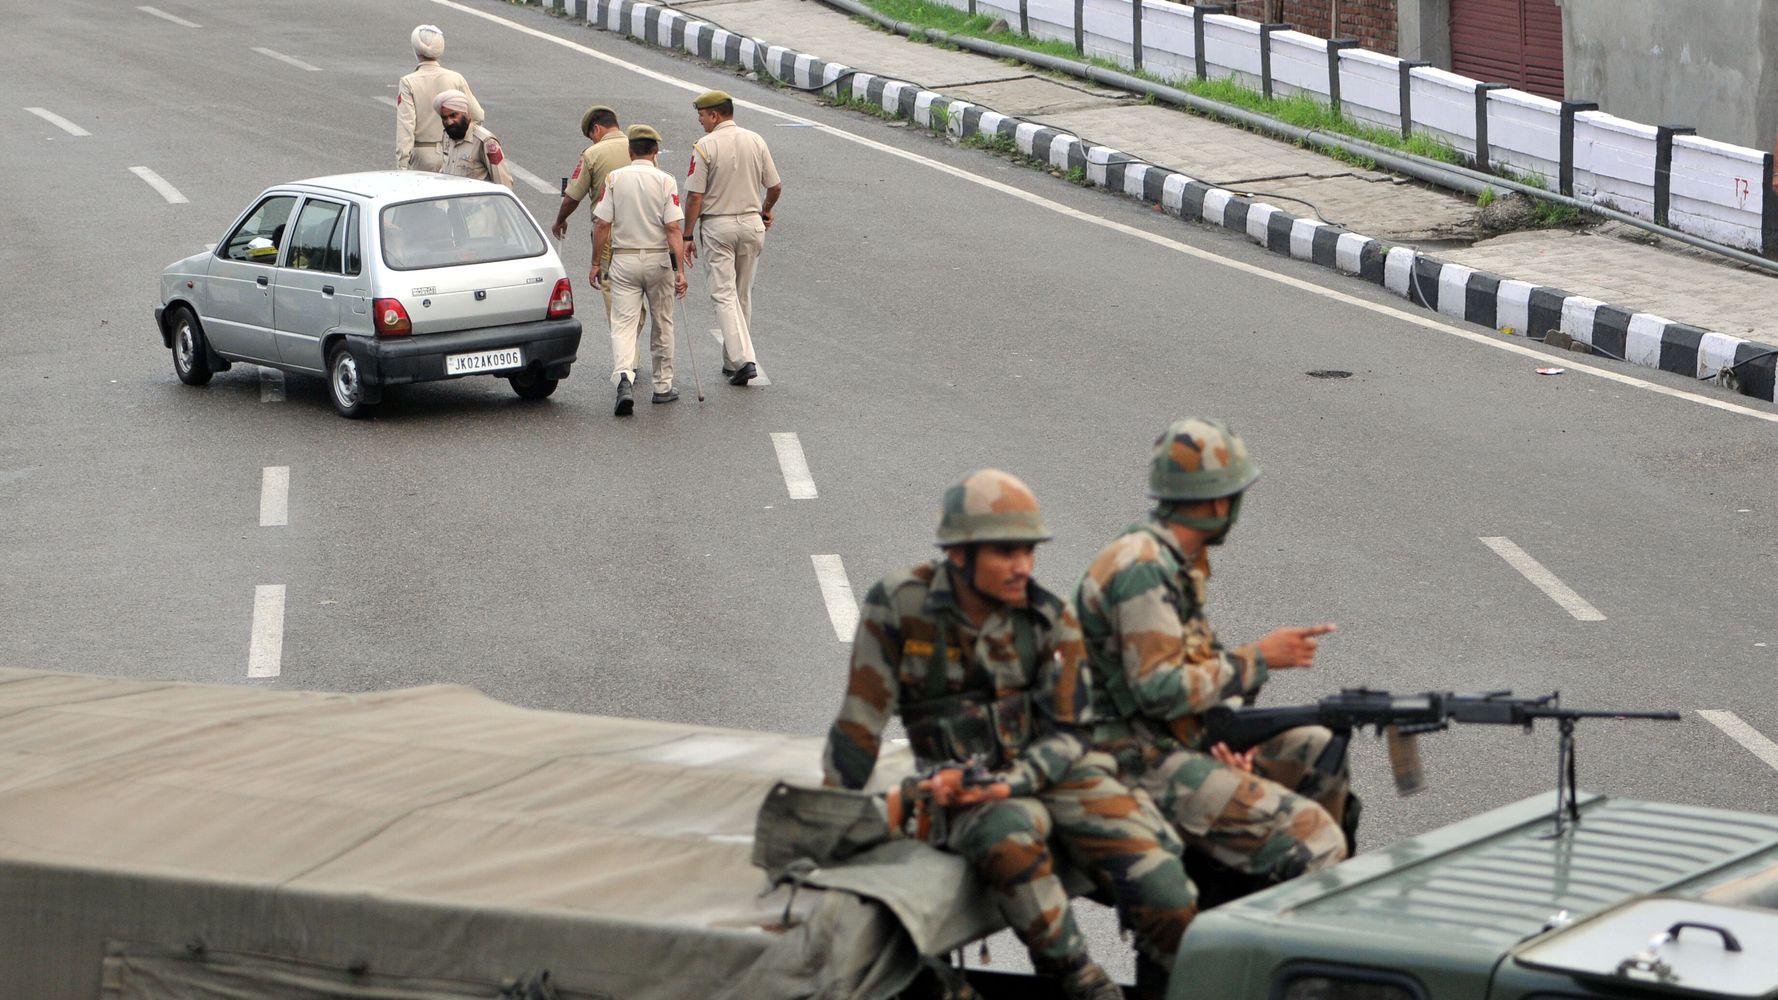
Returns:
<point x="1291" y="647"/>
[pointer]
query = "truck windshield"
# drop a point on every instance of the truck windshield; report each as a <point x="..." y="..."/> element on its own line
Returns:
<point x="468" y="229"/>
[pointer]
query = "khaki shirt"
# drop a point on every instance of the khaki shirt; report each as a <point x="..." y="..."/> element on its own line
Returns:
<point x="415" y="121"/>
<point x="731" y="167"/>
<point x="639" y="201"/>
<point x="478" y="155"/>
<point x="597" y="162"/>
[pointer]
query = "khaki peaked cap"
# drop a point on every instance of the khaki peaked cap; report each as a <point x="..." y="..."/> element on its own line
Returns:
<point x="586" y="117"/>
<point x="710" y="99"/>
<point x="644" y="132"/>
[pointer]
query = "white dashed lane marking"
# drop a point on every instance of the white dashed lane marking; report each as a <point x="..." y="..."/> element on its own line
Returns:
<point x="289" y="60"/>
<point x="163" y="15"/>
<point x="537" y="183"/>
<point x="794" y="466"/>
<point x="1544" y="580"/>
<point x="58" y="121"/>
<point x="1744" y="734"/>
<point x="160" y="184"/>
<point x="759" y="379"/>
<point x="274" y="496"/>
<point x="265" y="657"/>
<point x="271" y="385"/>
<point x="386" y="99"/>
<point x="836" y="591"/>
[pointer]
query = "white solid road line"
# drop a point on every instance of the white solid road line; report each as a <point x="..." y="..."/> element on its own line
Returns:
<point x="537" y="183"/>
<point x="163" y="15"/>
<point x="1564" y="359"/>
<point x="1744" y="734"/>
<point x="836" y="590"/>
<point x="58" y="121"/>
<point x="291" y="60"/>
<point x="1544" y="580"/>
<point x="265" y="658"/>
<point x="274" y="496"/>
<point x="160" y="184"/>
<point x="271" y="385"/>
<point x="794" y="466"/>
<point x="759" y="379"/>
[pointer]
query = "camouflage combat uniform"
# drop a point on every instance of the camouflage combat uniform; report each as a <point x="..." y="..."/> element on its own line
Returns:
<point x="1010" y="694"/>
<point x="1157" y="667"/>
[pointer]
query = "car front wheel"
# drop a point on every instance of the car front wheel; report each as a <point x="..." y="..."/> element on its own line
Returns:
<point x="345" y="385"/>
<point x="532" y="386"/>
<point x="191" y="359"/>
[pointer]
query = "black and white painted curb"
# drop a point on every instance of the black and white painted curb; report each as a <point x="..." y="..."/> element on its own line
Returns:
<point x="1452" y="290"/>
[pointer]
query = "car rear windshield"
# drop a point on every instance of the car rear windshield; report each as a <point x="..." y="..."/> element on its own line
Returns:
<point x="467" y="229"/>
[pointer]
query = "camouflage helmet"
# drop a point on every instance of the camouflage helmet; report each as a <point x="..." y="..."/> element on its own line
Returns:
<point x="1199" y="459"/>
<point x="991" y="506"/>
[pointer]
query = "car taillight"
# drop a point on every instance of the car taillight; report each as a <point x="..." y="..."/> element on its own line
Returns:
<point x="561" y="302"/>
<point x="392" y="320"/>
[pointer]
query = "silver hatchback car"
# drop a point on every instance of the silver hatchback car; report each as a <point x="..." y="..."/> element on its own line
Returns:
<point x="376" y="279"/>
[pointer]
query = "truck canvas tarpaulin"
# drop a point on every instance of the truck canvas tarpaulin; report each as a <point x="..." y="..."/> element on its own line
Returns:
<point x="163" y="839"/>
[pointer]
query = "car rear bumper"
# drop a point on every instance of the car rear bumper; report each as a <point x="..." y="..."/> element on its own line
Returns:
<point x="550" y="347"/>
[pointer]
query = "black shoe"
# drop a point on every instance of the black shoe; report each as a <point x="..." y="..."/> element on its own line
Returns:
<point x="625" y="401"/>
<point x="666" y="397"/>
<point x="727" y="371"/>
<point x="744" y="374"/>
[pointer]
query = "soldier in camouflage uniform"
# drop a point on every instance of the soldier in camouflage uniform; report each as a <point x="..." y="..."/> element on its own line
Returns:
<point x="1275" y="811"/>
<point x="982" y="664"/>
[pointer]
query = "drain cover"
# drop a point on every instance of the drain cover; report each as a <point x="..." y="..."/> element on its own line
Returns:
<point x="1329" y="373"/>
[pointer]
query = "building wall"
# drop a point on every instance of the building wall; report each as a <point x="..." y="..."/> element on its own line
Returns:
<point x="1372" y="22"/>
<point x="1711" y="64"/>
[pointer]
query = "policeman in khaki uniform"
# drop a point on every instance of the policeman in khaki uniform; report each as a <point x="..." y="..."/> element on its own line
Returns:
<point x="730" y="167"/>
<point x="610" y="151"/>
<point x="637" y="220"/>
<point x="418" y="129"/>
<point x="981" y="664"/>
<point x="468" y="149"/>
<point x="1274" y="812"/>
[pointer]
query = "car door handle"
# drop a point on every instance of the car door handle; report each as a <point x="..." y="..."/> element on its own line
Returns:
<point x="326" y="289"/>
<point x="261" y="280"/>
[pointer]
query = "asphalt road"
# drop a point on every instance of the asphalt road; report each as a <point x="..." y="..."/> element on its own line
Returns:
<point x="915" y="324"/>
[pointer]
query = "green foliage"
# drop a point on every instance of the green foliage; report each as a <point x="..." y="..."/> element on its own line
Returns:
<point x="1486" y="198"/>
<point x="1552" y="215"/>
<point x="1077" y="175"/>
<point x="994" y="142"/>
<point x="941" y="119"/>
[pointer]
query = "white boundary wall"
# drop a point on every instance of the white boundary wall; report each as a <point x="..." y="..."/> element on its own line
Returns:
<point x="1715" y="186"/>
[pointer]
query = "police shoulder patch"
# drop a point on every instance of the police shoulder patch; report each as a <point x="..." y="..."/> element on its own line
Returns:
<point x="576" y="175"/>
<point x="494" y="153"/>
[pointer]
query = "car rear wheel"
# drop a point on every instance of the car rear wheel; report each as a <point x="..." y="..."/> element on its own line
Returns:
<point x="191" y="356"/>
<point x="532" y="386"/>
<point x="345" y="385"/>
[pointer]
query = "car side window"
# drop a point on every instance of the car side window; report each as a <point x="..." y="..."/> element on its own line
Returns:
<point x="316" y="243"/>
<point x="260" y="236"/>
<point x="354" y="263"/>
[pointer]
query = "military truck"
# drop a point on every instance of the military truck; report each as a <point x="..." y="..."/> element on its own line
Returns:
<point x="178" y="840"/>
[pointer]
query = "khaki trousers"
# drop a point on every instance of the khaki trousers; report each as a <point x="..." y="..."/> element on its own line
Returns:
<point x="636" y="278"/>
<point x="732" y="244"/>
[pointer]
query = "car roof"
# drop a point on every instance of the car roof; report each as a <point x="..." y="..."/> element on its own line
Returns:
<point x="388" y="186"/>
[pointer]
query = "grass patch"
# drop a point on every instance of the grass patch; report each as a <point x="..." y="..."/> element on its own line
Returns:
<point x="1485" y="199"/>
<point x="998" y="142"/>
<point x="1551" y="215"/>
<point x="1299" y="110"/>
<point x="1078" y="176"/>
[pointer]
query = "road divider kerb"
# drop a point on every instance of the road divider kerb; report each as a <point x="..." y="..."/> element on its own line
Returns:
<point x="1464" y="294"/>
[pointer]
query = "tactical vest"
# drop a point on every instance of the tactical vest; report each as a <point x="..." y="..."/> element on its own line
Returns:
<point x="945" y="726"/>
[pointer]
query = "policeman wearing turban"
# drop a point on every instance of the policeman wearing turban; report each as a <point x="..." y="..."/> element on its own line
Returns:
<point x="468" y="149"/>
<point x="418" y="128"/>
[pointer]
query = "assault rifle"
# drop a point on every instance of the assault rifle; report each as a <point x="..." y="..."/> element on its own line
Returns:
<point x="1404" y="718"/>
<point x="921" y="798"/>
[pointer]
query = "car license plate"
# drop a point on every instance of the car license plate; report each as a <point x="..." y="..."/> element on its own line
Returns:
<point x="484" y="361"/>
